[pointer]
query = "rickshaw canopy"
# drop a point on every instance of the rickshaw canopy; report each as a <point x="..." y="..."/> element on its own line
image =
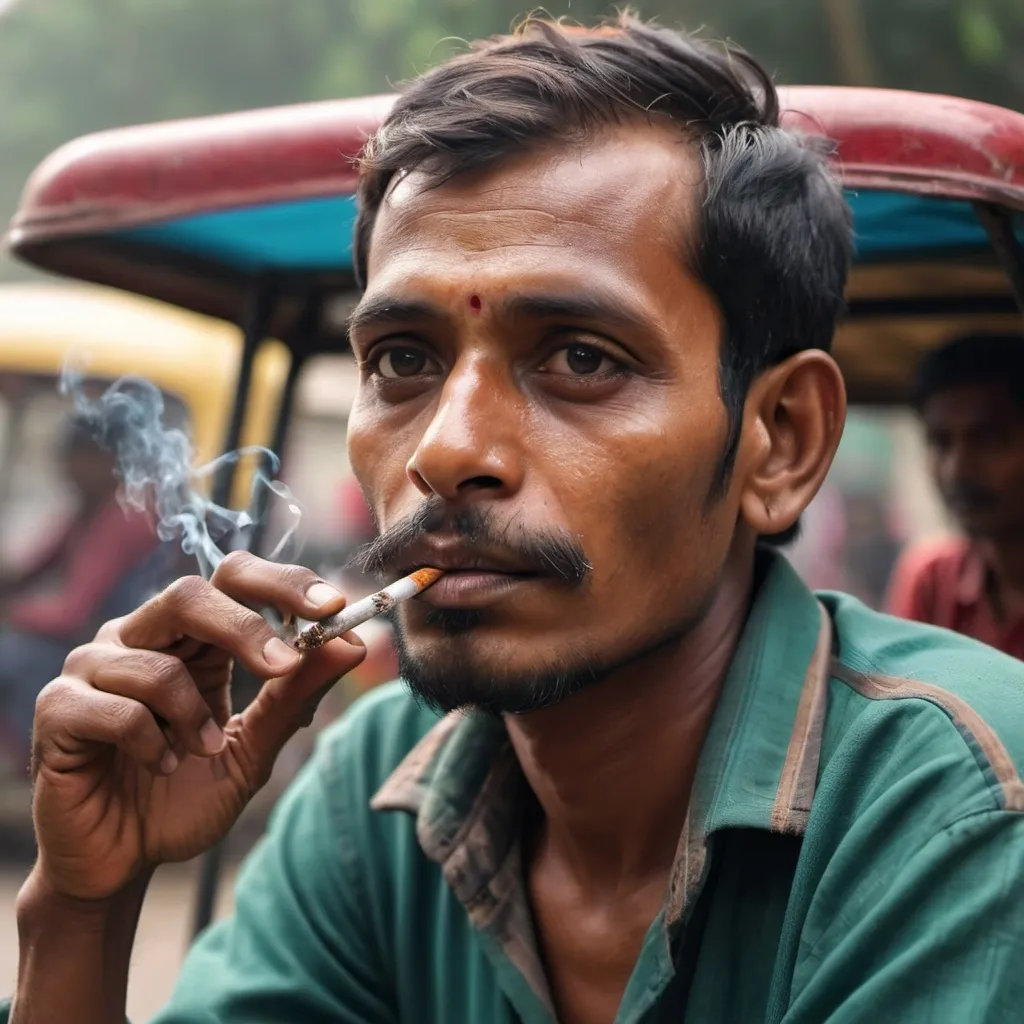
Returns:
<point x="200" y="212"/>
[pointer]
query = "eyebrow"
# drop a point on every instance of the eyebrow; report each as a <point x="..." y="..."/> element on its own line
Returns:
<point x="577" y="305"/>
<point x="386" y="309"/>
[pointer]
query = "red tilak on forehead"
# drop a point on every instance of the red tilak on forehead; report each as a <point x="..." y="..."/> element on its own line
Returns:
<point x="475" y="303"/>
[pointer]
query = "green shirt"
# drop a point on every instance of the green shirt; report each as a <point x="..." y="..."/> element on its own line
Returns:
<point x="854" y="851"/>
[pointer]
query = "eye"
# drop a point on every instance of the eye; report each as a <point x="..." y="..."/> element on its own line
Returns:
<point x="401" y="362"/>
<point x="580" y="360"/>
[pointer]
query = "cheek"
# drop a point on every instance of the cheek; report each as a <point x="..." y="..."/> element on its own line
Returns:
<point x="639" y="495"/>
<point x="1009" y="470"/>
<point x="376" y="456"/>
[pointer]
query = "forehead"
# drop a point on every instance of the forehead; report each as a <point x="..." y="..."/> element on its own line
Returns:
<point x="621" y="205"/>
<point x="980" y="401"/>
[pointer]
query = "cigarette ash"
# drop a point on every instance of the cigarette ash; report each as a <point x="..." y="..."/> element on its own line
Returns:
<point x="312" y="637"/>
<point x="154" y="463"/>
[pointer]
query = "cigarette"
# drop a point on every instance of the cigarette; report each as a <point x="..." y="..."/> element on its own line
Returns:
<point x="319" y="633"/>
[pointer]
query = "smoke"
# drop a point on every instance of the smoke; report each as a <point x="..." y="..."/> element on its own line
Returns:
<point x="154" y="463"/>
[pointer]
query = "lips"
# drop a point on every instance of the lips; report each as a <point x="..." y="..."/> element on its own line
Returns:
<point x="473" y="588"/>
<point x="471" y="578"/>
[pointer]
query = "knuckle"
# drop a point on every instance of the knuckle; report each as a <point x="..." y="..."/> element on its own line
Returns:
<point x="162" y="671"/>
<point x="296" y="577"/>
<point x="233" y="565"/>
<point x="55" y="696"/>
<point x="172" y="684"/>
<point x="131" y="718"/>
<point x="110" y="631"/>
<point x="183" y="591"/>
<point x="250" y="624"/>
<point x="81" y="657"/>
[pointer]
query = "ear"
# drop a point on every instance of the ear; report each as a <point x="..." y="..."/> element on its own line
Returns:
<point x="794" y="419"/>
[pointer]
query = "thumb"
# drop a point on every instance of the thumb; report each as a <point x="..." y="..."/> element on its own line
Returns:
<point x="288" y="703"/>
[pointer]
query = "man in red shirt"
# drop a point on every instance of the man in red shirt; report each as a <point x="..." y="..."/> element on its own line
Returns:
<point x="971" y="398"/>
<point x="95" y="566"/>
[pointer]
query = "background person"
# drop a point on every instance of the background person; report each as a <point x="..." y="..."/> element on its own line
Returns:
<point x="970" y="395"/>
<point x="80" y="577"/>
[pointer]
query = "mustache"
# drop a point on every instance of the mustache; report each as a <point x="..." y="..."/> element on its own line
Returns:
<point x="553" y="552"/>
<point x="969" y="495"/>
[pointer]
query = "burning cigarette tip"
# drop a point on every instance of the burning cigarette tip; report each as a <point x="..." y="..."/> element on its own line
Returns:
<point x="424" y="578"/>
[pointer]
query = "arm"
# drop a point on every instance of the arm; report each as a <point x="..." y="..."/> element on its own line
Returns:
<point x="297" y="948"/>
<point x="299" y="945"/>
<point x="940" y="939"/>
<point x="74" y="956"/>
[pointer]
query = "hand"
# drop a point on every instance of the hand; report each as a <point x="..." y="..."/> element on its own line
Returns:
<point x="137" y="759"/>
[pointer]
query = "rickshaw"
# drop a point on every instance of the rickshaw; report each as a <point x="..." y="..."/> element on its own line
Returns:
<point x="248" y="218"/>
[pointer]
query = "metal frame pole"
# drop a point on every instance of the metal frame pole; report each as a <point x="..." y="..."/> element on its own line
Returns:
<point x="258" y="313"/>
<point x="300" y="344"/>
<point x="998" y="222"/>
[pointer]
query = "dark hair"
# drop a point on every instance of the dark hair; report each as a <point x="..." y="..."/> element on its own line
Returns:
<point x="775" y="233"/>
<point x="973" y="359"/>
<point x="79" y="433"/>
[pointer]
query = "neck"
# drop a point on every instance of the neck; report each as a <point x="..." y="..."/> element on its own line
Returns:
<point x="612" y="767"/>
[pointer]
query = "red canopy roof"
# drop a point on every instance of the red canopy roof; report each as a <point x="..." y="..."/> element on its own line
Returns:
<point x="901" y="141"/>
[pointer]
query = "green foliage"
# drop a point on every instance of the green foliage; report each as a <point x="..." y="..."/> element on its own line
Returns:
<point x="72" y="66"/>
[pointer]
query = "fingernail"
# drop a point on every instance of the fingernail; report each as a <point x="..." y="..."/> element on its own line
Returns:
<point x="169" y="763"/>
<point x="212" y="736"/>
<point x="322" y="593"/>
<point x="279" y="656"/>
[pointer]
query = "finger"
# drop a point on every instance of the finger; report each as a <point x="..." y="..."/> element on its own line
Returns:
<point x="292" y="589"/>
<point x="283" y="706"/>
<point x="109" y="632"/>
<point x="73" y="720"/>
<point x="159" y="681"/>
<point x="193" y="608"/>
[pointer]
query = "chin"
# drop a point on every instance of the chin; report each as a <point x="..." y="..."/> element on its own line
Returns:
<point x="978" y="527"/>
<point x="460" y="663"/>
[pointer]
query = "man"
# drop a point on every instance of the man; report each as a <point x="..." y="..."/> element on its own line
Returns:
<point x="667" y="783"/>
<point x="970" y="394"/>
<point x="88" y="572"/>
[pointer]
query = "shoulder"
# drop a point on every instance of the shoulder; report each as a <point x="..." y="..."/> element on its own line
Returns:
<point x="922" y="574"/>
<point x="933" y="560"/>
<point x="912" y="699"/>
<point x="374" y="736"/>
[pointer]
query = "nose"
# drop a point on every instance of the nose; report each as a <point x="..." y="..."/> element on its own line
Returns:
<point x="951" y="464"/>
<point x="473" y="443"/>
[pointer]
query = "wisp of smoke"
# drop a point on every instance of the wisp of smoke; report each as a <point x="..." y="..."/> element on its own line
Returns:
<point x="154" y="463"/>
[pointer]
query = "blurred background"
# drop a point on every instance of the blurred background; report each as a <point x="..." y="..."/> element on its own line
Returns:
<point x="68" y="67"/>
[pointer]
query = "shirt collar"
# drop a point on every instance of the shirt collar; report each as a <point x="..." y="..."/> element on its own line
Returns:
<point x="757" y="770"/>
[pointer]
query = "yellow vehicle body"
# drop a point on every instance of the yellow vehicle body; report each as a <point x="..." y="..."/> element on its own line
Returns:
<point x="108" y="333"/>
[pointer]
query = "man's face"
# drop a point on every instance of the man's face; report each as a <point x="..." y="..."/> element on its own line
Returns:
<point x="540" y="382"/>
<point x="90" y="471"/>
<point x="976" y="448"/>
